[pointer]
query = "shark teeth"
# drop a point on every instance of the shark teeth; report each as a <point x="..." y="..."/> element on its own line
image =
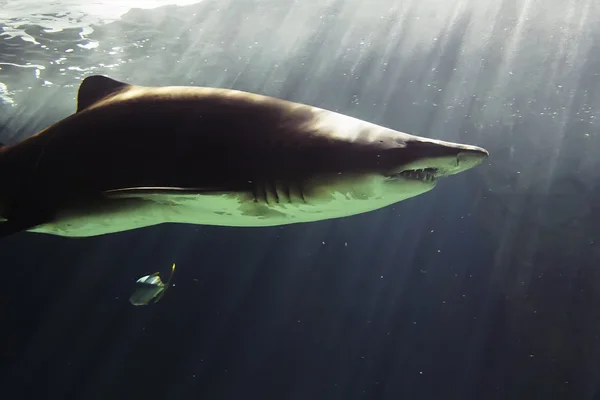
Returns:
<point x="425" y="174"/>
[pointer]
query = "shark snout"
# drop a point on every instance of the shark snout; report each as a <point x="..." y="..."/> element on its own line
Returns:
<point x="442" y="158"/>
<point x="470" y="157"/>
<point x="453" y="158"/>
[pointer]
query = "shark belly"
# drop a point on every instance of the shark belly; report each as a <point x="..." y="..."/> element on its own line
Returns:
<point x="230" y="209"/>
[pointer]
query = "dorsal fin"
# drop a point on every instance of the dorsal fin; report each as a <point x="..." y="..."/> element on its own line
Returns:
<point x="96" y="87"/>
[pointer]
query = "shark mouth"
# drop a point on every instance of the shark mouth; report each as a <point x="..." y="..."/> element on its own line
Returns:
<point x="424" y="174"/>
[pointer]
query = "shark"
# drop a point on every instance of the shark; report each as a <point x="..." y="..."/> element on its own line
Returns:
<point x="135" y="156"/>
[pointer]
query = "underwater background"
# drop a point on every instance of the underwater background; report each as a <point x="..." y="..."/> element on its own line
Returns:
<point x="487" y="287"/>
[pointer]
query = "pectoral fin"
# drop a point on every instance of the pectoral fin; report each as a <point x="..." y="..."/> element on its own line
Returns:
<point x="23" y="221"/>
<point x="148" y="192"/>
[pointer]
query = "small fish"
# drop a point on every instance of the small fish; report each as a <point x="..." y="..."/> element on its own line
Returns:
<point x="150" y="287"/>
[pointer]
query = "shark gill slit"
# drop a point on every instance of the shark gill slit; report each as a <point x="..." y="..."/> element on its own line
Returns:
<point x="300" y="187"/>
<point x="261" y="192"/>
<point x="270" y="192"/>
<point x="275" y="191"/>
<point x="278" y="192"/>
<point x="285" y="188"/>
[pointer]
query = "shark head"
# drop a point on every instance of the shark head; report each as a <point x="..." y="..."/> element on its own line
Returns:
<point x="383" y="166"/>
<point x="418" y="163"/>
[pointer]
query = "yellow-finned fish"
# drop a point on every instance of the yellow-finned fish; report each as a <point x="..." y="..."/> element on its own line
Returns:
<point x="150" y="287"/>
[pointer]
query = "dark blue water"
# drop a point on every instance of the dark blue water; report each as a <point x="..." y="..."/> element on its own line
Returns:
<point x="485" y="288"/>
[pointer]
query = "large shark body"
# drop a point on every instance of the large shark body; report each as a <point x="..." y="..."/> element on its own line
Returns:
<point x="134" y="156"/>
